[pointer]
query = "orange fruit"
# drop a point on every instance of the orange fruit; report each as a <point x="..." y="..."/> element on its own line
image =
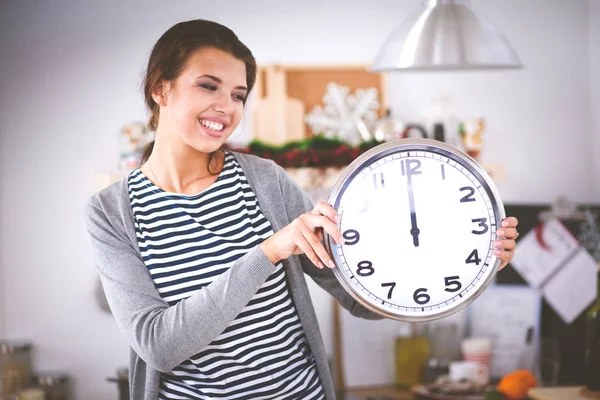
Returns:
<point x="516" y="384"/>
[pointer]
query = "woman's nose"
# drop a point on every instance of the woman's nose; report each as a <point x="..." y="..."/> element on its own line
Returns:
<point x="223" y="103"/>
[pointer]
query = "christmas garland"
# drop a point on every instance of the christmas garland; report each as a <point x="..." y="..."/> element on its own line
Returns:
<point x="317" y="152"/>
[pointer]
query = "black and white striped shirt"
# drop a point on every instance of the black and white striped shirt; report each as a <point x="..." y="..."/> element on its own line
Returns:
<point x="188" y="241"/>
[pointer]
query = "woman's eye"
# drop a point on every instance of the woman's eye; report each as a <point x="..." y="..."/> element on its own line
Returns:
<point x="207" y="86"/>
<point x="239" y="97"/>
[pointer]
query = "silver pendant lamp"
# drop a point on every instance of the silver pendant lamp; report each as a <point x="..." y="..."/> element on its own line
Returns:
<point x="446" y="36"/>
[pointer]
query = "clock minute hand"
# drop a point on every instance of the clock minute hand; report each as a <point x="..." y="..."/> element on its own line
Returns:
<point x="410" y="171"/>
<point x="414" y="230"/>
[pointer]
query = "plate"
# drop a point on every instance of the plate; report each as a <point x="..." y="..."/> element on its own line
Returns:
<point x="424" y="392"/>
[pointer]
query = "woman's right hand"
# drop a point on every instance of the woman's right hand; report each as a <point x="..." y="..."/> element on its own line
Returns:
<point x="304" y="235"/>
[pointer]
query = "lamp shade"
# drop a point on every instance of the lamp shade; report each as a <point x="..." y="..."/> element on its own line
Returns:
<point x="446" y="35"/>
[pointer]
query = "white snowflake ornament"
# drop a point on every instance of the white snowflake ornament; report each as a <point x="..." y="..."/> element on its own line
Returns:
<point x="345" y="116"/>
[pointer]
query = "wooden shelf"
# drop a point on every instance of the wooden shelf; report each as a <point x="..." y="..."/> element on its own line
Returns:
<point x="307" y="178"/>
<point x="324" y="178"/>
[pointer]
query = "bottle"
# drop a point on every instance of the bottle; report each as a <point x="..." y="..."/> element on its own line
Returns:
<point x="438" y="132"/>
<point x="388" y="128"/>
<point x="592" y="353"/>
<point x="411" y="354"/>
<point x="527" y="357"/>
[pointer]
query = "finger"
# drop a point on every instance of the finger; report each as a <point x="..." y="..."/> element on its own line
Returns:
<point x="303" y="245"/>
<point x="504" y="255"/>
<point x="510" y="222"/>
<point x="508" y="233"/>
<point x="506" y="244"/>
<point x="317" y="247"/>
<point x="319" y="221"/>
<point x="325" y="209"/>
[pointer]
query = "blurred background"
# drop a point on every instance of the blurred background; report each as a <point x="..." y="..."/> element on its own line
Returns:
<point x="70" y="78"/>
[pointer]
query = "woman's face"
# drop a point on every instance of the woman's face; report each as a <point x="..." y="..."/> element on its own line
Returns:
<point x="205" y="103"/>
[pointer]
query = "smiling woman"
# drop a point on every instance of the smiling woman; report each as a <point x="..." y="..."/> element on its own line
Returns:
<point x="213" y="302"/>
<point x="198" y="79"/>
<point x="202" y="253"/>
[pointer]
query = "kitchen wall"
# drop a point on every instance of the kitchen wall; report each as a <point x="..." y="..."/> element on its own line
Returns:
<point x="70" y="77"/>
<point x="595" y="92"/>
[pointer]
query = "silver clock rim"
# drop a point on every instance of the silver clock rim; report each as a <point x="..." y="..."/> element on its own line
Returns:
<point x="416" y="144"/>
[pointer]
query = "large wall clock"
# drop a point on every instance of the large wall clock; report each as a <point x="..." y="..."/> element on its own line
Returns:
<point x="418" y="220"/>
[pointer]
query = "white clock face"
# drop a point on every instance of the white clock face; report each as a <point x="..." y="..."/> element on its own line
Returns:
<point x="419" y="230"/>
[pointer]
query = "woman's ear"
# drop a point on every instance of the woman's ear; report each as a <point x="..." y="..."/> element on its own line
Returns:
<point x="159" y="94"/>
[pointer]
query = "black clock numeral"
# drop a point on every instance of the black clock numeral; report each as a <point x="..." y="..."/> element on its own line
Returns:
<point x="420" y="297"/>
<point x="473" y="258"/>
<point x="392" y="285"/>
<point x="443" y="172"/>
<point x="365" y="268"/>
<point x="378" y="183"/>
<point x="454" y="282"/>
<point x="482" y="223"/>
<point x="469" y="196"/>
<point x="352" y="237"/>
<point x="412" y="166"/>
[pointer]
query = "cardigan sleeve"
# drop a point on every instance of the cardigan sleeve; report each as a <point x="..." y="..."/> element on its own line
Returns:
<point x="164" y="336"/>
<point x="299" y="202"/>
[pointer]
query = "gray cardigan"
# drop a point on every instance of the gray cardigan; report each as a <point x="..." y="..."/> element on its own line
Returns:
<point x="162" y="337"/>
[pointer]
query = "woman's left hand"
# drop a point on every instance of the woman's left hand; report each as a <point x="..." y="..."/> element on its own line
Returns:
<point x="505" y="243"/>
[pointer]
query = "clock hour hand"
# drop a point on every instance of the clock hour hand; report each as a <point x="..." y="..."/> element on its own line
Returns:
<point x="412" y="168"/>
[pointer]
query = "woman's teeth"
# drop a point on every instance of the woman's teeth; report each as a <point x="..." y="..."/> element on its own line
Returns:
<point x="215" y="126"/>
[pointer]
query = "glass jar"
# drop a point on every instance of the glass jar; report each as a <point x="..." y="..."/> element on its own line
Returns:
<point x="411" y="354"/>
<point x="55" y="386"/>
<point x="31" y="394"/>
<point x="15" y="363"/>
<point x="8" y="386"/>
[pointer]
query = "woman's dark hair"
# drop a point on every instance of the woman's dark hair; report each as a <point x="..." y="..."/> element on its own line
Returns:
<point x="172" y="51"/>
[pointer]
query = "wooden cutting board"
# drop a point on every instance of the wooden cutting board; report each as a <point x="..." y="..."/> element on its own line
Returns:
<point x="560" y="393"/>
<point x="277" y="118"/>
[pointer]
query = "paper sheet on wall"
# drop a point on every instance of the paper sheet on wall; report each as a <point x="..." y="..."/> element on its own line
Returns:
<point x="504" y="313"/>
<point x="543" y="251"/>
<point x="552" y="260"/>
<point x="574" y="287"/>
